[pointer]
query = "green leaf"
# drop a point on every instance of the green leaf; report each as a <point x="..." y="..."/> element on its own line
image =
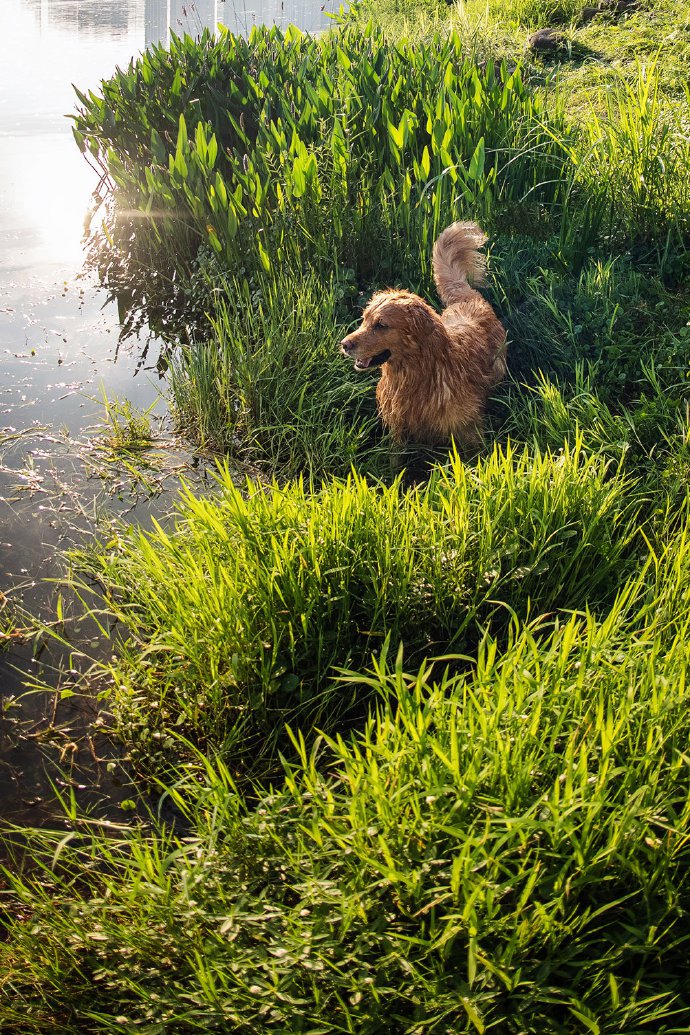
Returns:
<point x="299" y="180"/>
<point x="264" y="257"/>
<point x="476" y="169"/>
<point x="158" y="148"/>
<point x="397" y="135"/>
<point x="588" y="1022"/>
<point x="221" y="190"/>
<point x="473" y="1014"/>
<point x="232" y="222"/>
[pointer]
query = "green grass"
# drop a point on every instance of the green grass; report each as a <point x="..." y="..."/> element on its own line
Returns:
<point x="125" y="429"/>
<point x="501" y="848"/>
<point x="269" y="386"/>
<point x="246" y="609"/>
<point x="9" y="630"/>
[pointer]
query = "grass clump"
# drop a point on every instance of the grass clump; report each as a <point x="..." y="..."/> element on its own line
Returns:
<point x="633" y="159"/>
<point x="125" y="429"/>
<point x="246" y="609"/>
<point x="270" y="386"/>
<point x="504" y="848"/>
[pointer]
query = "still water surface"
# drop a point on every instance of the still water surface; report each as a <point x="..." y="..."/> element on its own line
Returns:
<point x="59" y="336"/>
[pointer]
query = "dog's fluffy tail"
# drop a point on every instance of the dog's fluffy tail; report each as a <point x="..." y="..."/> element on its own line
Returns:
<point x="458" y="261"/>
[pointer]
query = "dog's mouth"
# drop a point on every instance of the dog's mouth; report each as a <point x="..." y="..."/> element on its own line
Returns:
<point x="373" y="361"/>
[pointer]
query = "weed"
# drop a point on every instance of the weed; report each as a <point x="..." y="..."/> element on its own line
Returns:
<point x="126" y="429"/>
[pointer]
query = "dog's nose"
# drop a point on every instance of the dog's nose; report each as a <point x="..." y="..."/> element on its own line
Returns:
<point x="346" y="344"/>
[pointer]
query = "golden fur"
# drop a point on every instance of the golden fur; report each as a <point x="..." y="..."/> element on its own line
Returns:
<point x="437" y="371"/>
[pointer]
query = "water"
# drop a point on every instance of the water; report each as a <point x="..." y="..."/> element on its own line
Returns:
<point x="59" y="352"/>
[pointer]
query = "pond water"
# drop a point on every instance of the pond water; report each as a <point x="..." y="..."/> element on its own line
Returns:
<point x="59" y="352"/>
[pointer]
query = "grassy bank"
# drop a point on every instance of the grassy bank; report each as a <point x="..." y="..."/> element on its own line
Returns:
<point x="505" y="849"/>
<point x="421" y="742"/>
<point x="285" y="167"/>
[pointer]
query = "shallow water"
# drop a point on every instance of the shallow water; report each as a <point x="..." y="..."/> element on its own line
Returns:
<point x="59" y="352"/>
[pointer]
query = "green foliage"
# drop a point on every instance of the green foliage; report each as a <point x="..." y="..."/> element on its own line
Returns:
<point x="634" y="160"/>
<point x="8" y="625"/>
<point x="265" y="181"/>
<point x="246" y="609"/>
<point x="537" y="14"/>
<point x="504" y="848"/>
<point x="285" y="150"/>
<point x="611" y="314"/>
<point x="269" y="384"/>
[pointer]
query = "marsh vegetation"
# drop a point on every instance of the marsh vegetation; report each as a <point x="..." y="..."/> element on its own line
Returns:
<point x="422" y="748"/>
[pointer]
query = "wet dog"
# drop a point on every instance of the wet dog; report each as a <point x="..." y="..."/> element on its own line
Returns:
<point x="437" y="371"/>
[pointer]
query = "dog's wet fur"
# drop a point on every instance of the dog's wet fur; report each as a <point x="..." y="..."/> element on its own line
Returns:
<point x="437" y="371"/>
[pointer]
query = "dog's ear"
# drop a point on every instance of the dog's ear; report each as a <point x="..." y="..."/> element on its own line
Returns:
<point x="423" y="323"/>
<point x="420" y="317"/>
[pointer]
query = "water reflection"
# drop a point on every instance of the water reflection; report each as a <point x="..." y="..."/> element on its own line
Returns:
<point x="161" y="17"/>
<point x="87" y="16"/>
<point x="57" y="342"/>
<point x="179" y="16"/>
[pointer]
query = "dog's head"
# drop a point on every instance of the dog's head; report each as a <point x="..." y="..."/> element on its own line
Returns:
<point x="394" y="324"/>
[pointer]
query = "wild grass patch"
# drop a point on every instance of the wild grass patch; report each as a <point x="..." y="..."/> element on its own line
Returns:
<point x="269" y="384"/>
<point x="478" y="819"/>
<point x="238" y="618"/>
<point x="633" y="157"/>
<point x="503" y="848"/>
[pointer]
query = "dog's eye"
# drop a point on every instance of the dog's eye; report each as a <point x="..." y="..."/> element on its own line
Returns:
<point x="380" y="326"/>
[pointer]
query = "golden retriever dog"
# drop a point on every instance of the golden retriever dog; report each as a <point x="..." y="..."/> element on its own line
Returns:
<point x="437" y="371"/>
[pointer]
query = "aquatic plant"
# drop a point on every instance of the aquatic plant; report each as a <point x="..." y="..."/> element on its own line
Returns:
<point x="126" y="428"/>
<point x="288" y="150"/>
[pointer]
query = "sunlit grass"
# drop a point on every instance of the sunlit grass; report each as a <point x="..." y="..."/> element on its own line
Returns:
<point x="246" y="609"/>
<point x="125" y="429"/>
<point x="269" y="384"/>
<point x="504" y="847"/>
